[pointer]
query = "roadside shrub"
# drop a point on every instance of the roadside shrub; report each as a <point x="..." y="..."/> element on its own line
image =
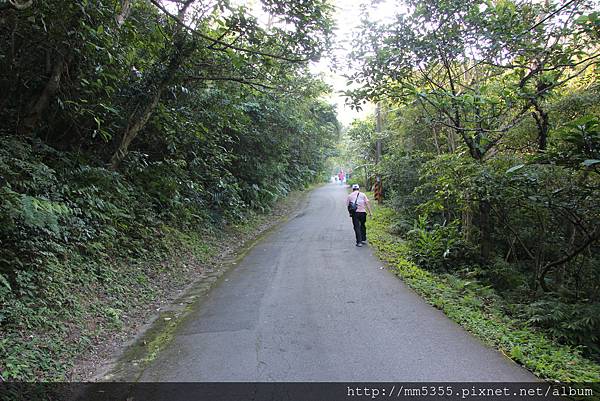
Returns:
<point x="504" y="276"/>
<point x="574" y="324"/>
<point x="400" y="226"/>
<point x="437" y="247"/>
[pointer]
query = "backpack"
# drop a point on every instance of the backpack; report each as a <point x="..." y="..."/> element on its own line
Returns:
<point x="352" y="206"/>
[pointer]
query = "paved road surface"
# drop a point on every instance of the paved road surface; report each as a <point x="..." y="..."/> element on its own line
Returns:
<point x="307" y="305"/>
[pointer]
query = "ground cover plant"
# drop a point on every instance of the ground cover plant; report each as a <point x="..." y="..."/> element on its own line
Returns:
<point x="481" y="310"/>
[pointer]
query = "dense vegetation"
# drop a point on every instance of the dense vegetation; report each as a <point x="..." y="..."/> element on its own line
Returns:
<point x="492" y="150"/>
<point x="134" y="132"/>
<point x="480" y="309"/>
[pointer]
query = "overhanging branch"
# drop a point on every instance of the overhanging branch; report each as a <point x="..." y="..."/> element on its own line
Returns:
<point x="222" y="43"/>
<point x="232" y="79"/>
<point x="20" y="5"/>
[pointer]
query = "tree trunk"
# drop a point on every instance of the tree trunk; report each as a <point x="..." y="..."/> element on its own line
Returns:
<point x="135" y="125"/>
<point x="467" y="224"/>
<point x="451" y="141"/>
<point x="543" y="125"/>
<point x="124" y="13"/>
<point x="137" y="121"/>
<point x="485" y="240"/>
<point x="435" y="141"/>
<point x="38" y="107"/>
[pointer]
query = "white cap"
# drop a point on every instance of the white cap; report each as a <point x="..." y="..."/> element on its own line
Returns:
<point x="355" y="186"/>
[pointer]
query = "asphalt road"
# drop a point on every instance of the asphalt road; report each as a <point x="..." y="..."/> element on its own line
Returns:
<point x="305" y="304"/>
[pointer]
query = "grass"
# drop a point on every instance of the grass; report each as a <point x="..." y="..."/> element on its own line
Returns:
<point x="479" y="310"/>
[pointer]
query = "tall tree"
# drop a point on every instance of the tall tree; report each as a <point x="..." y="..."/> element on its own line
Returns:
<point x="216" y="42"/>
<point x="476" y="67"/>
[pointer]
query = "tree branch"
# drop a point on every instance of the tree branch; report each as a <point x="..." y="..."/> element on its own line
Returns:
<point x="125" y="10"/>
<point x="19" y="5"/>
<point x="594" y="235"/>
<point x="233" y="79"/>
<point x="225" y="44"/>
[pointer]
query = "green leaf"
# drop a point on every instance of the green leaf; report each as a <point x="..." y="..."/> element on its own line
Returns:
<point x="515" y="168"/>
<point x="5" y="282"/>
<point x="516" y="353"/>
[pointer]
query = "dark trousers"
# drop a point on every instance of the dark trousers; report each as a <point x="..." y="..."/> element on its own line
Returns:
<point x="360" y="229"/>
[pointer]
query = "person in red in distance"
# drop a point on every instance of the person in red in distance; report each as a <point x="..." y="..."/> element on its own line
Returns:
<point x="359" y="217"/>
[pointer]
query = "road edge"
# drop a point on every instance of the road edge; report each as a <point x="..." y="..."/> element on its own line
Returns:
<point x="128" y="362"/>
